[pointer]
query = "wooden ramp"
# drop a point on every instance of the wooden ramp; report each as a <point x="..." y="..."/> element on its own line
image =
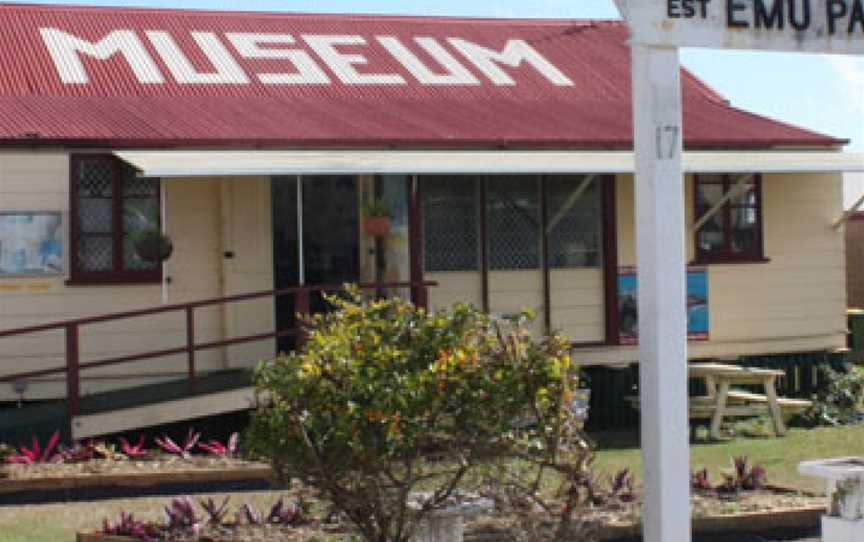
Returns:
<point x="133" y="408"/>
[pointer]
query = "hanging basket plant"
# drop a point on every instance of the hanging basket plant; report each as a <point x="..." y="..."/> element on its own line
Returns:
<point x="152" y="246"/>
<point x="376" y="218"/>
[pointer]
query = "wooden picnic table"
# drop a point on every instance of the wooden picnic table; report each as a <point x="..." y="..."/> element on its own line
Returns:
<point x="720" y="377"/>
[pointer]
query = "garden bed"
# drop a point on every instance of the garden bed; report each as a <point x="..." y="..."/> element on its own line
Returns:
<point x="101" y="479"/>
<point x="74" y="474"/>
<point x="751" y="512"/>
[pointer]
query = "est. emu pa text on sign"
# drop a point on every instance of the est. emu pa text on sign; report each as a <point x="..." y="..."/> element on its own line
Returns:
<point x="816" y="26"/>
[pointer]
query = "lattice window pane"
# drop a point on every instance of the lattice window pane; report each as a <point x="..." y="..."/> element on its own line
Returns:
<point x="139" y="214"/>
<point x="574" y="220"/>
<point x="95" y="177"/>
<point x="136" y="187"/>
<point x="513" y="211"/>
<point x="95" y="215"/>
<point x="95" y="253"/>
<point x="711" y="237"/>
<point x="451" y="223"/>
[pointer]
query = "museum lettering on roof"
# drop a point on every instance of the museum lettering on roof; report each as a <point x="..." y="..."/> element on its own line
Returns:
<point x="256" y="143"/>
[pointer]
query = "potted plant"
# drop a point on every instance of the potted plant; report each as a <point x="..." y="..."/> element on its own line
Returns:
<point x="376" y="218"/>
<point x="153" y="246"/>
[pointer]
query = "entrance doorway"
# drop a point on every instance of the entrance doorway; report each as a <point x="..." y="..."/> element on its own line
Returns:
<point x="328" y="220"/>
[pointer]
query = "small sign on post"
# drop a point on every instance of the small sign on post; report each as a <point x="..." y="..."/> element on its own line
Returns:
<point x="812" y="26"/>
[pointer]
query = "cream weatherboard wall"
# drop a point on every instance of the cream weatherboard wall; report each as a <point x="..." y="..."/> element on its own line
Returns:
<point x="794" y="302"/>
<point x="31" y="180"/>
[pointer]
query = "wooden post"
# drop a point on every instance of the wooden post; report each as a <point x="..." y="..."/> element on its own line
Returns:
<point x="719" y="410"/>
<point x="73" y="382"/>
<point x="190" y="344"/>
<point x="419" y="293"/>
<point x="774" y="406"/>
<point x="660" y="241"/>
<point x="301" y="310"/>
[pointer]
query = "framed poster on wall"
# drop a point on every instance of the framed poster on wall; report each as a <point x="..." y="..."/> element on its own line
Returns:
<point x="697" y="305"/>
<point x="31" y="243"/>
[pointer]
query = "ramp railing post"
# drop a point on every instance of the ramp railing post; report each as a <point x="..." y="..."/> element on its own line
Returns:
<point x="73" y="374"/>
<point x="190" y="344"/>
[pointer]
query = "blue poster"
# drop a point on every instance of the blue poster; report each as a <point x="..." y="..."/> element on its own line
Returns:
<point x="31" y="243"/>
<point x="697" y="305"/>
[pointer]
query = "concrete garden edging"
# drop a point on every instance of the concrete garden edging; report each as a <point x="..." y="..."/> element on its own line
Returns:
<point x="136" y="480"/>
<point x="748" y="522"/>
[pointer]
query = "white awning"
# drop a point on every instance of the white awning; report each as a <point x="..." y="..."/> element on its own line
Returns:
<point x="210" y="163"/>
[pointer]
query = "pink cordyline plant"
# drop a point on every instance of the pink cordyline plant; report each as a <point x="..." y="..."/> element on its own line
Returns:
<point x="35" y="454"/>
<point x="127" y="525"/>
<point x="171" y="447"/>
<point x="214" y="447"/>
<point x="135" y="451"/>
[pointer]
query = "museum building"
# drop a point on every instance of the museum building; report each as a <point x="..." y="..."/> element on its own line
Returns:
<point x="262" y="145"/>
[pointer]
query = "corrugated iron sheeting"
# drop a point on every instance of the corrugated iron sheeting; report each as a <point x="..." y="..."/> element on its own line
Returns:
<point x="115" y="109"/>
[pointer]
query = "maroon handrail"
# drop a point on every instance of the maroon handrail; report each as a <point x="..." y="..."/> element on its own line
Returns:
<point x="74" y="366"/>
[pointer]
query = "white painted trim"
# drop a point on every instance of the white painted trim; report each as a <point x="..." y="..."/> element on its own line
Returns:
<point x="163" y="215"/>
<point x="191" y="164"/>
<point x="93" y="425"/>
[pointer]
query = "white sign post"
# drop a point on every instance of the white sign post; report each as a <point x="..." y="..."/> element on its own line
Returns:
<point x="660" y="238"/>
<point x="658" y="28"/>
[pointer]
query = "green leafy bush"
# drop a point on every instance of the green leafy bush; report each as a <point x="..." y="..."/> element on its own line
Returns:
<point x="841" y="401"/>
<point x="389" y="409"/>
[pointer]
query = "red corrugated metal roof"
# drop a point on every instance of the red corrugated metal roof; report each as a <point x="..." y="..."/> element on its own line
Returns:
<point x="116" y="109"/>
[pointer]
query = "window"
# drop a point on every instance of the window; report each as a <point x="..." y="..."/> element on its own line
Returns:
<point x="734" y="232"/>
<point x="574" y="217"/>
<point x="513" y="212"/>
<point x="110" y="204"/>
<point x="514" y="222"/>
<point x="451" y="223"/>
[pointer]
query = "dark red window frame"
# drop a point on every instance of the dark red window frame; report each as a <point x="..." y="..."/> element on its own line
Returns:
<point x="117" y="275"/>
<point x="727" y="255"/>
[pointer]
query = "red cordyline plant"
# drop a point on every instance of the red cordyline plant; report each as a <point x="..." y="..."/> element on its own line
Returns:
<point x="135" y="451"/>
<point x="621" y="485"/>
<point x="171" y="447"/>
<point x="36" y="454"/>
<point x="215" y="512"/>
<point x="280" y="514"/>
<point x="214" y="447"/>
<point x="79" y="452"/>
<point x="748" y="479"/>
<point x="127" y="525"/>
<point x="181" y="515"/>
<point x="700" y="481"/>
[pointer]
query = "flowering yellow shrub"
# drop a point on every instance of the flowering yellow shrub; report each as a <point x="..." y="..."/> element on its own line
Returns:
<point x="386" y="399"/>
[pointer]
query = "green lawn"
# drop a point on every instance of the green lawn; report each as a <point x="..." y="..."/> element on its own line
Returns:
<point x="780" y="456"/>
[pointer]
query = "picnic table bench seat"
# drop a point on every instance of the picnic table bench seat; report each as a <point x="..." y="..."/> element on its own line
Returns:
<point x="740" y="404"/>
<point x="723" y="401"/>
